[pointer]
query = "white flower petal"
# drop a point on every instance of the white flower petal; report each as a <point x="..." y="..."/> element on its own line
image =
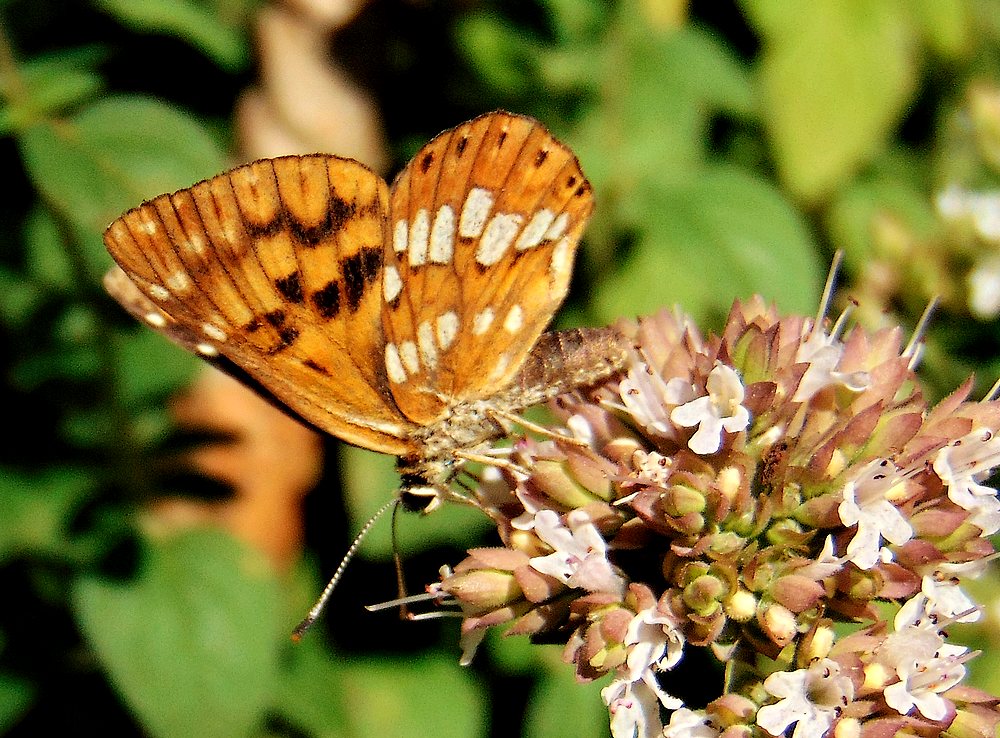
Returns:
<point x="579" y="558"/>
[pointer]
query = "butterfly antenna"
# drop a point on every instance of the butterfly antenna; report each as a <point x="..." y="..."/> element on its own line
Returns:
<point x="320" y="605"/>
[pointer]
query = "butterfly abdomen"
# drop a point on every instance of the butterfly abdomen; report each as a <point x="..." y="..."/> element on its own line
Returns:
<point x="562" y="361"/>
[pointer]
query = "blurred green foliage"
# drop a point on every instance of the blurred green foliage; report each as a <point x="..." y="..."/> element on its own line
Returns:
<point x="731" y="147"/>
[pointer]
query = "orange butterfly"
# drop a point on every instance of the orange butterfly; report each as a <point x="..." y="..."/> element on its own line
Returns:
<point x="403" y="319"/>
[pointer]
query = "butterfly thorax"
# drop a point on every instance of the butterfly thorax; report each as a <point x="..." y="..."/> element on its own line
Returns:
<point x="468" y="425"/>
<point x="425" y="477"/>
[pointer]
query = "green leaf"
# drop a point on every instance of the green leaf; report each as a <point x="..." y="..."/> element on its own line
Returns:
<point x="689" y="63"/>
<point x="35" y="510"/>
<point x="47" y="259"/>
<point x="19" y="298"/>
<point x="328" y="695"/>
<point x="577" y="20"/>
<point x="425" y="694"/>
<point x="151" y="367"/>
<point x="894" y="187"/>
<point x="16" y="696"/>
<point x="717" y="236"/>
<point x="216" y="28"/>
<point x="46" y="85"/>
<point x="310" y="692"/>
<point x="654" y="124"/>
<point x="836" y="78"/>
<point x="61" y="359"/>
<point x="560" y="706"/>
<point x="946" y="25"/>
<point x="111" y="156"/>
<point x="505" y="57"/>
<point x="192" y="643"/>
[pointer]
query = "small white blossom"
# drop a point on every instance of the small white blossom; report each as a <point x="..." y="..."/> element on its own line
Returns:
<point x="654" y="645"/>
<point x="961" y="465"/>
<point x="713" y="413"/>
<point x="580" y="555"/>
<point x="654" y="642"/>
<point x="652" y="468"/>
<point x="925" y="665"/>
<point x="981" y="208"/>
<point x="810" y="698"/>
<point x="635" y="707"/>
<point x="972" y="569"/>
<point x="984" y="289"/>
<point x="685" y="723"/>
<point x="644" y="394"/>
<point x="940" y="600"/>
<point x="581" y="428"/>
<point x="822" y="353"/>
<point x="825" y="565"/>
<point x="950" y="202"/>
<point x="469" y="641"/>
<point x="679" y="391"/>
<point x="866" y="505"/>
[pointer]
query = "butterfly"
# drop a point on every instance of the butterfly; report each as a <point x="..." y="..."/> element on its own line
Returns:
<point x="405" y="319"/>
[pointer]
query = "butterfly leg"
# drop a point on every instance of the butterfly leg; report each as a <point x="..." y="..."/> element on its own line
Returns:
<point x="500" y="415"/>
<point x="489" y="459"/>
<point x="404" y="612"/>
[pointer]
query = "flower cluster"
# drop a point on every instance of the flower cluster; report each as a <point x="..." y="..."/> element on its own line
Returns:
<point x="744" y="494"/>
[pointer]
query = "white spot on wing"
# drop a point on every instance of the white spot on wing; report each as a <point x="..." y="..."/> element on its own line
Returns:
<point x="514" y="320"/>
<point x="393" y="366"/>
<point x="428" y="349"/>
<point x="399" y="235"/>
<point x="149" y="226"/>
<point x="207" y="349"/>
<point x="195" y="244"/>
<point x="534" y="232"/>
<point x="482" y="322"/>
<point x="447" y="329"/>
<point x="475" y="211"/>
<point x="179" y="281"/>
<point x="558" y="228"/>
<point x="214" y="332"/>
<point x="562" y="259"/>
<point x="497" y="237"/>
<point x="391" y="283"/>
<point x="155" y="319"/>
<point x="443" y="236"/>
<point x="158" y="293"/>
<point x="408" y="353"/>
<point x="419" y="233"/>
<point x="500" y="368"/>
<point x="230" y="229"/>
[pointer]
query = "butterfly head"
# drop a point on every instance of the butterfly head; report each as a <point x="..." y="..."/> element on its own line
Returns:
<point x="423" y="484"/>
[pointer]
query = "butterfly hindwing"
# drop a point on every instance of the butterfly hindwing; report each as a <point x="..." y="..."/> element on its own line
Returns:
<point x="485" y="221"/>
<point x="277" y="265"/>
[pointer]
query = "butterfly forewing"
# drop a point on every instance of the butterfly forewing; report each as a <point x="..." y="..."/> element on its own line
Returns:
<point x="485" y="222"/>
<point x="278" y="265"/>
